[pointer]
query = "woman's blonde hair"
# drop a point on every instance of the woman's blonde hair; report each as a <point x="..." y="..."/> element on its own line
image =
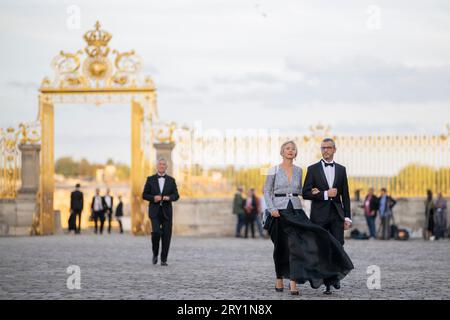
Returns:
<point x="283" y="146"/>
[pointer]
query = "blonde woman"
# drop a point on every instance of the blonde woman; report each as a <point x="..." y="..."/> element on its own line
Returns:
<point x="303" y="251"/>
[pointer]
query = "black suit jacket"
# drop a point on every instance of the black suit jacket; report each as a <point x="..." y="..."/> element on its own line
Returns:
<point x="76" y="201"/>
<point x="103" y="203"/>
<point x="151" y="189"/>
<point x="106" y="205"/>
<point x="315" y="178"/>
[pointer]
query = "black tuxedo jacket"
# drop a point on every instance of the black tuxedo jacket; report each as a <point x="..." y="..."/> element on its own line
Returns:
<point x="315" y="178"/>
<point x="76" y="201"/>
<point x="103" y="203"/>
<point x="151" y="189"/>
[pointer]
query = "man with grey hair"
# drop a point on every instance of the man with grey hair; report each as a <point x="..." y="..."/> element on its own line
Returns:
<point x="330" y="207"/>
<point x="160" y="190"/>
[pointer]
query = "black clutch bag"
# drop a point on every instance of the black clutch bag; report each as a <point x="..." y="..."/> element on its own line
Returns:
<point x="267" y="220"/>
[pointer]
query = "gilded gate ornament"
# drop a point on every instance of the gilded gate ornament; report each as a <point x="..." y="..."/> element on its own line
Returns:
<point x="10" y="139"/>
<point x="165" y="132"/>
<point x="98" y="69"/>
<point x="99" y="75"/>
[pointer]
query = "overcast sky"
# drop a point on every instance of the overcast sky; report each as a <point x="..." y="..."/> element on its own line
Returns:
<point x="363" y="67"/>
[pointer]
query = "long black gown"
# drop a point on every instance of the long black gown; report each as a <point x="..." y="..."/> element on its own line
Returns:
<point x="304" y="251"/>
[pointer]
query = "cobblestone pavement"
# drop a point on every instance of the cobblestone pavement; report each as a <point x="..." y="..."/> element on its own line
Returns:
<point x="119" y="267"/>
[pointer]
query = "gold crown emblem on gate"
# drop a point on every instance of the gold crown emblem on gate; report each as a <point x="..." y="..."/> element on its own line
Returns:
<point x="97" y="39"/>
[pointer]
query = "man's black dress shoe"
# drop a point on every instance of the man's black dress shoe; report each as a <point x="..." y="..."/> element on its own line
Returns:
<point x="155" y="259"/>
<point x="337" y="285"/>
<point x="327" y="290"/>
<point x="163" y="263"/>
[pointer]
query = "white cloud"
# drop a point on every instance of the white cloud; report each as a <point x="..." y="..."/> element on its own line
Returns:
<point x="279" y="64"/>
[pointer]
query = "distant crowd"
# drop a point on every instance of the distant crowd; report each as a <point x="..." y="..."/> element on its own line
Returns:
<point x="249" y="209"/>
<point x="101" y="209"/>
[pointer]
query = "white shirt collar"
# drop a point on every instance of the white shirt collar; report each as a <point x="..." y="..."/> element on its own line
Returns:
<point x="327" y="161"/>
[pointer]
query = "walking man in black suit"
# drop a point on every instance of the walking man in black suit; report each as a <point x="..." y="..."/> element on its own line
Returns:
<point x="76" y="207"/>
<point x="109" y="202"/>
<point x="98" y="210"/>
<point x="330" y="208"/>
<point x="160" y="190"/>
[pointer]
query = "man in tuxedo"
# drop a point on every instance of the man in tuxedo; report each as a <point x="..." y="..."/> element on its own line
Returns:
<point x="98" y="210"/>
<point x="76" y="207"/>
<point x="330" y="208"/>
<point x="160" y="190"/>
<point x="108" y="207"/>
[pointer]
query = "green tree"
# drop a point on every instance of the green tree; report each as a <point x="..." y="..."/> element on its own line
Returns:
<point x="85" y="168"/>
<point x="66" y="166"/>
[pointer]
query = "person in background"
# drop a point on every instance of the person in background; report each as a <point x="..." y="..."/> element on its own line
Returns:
<point x="428" y="233"/>
<point x="76" y="206"/>
<point x="258" y="215"/>
<point x="262" y="209"/>
<point x="440" y="217"/>
<point x="119" y="213"/>
<point x="251" y="210"/>
<point x="238" y="210"/>
<point x="98" y="210"/>
<point x="109" y="202"/>
<point x="160" y="191"/>
<point x="370" y="207"/>
<point x="71" y="226"/>
<point x="387" y="203"/>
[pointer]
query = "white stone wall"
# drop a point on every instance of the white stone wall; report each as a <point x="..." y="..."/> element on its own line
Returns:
<point x="203" y="217"/>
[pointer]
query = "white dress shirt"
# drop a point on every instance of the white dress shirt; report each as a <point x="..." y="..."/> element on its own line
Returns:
<point x="330" y="173"/>
<point x="161" y="181"/>
<point x="98" y="205"/>
<point x="108" y="201"/>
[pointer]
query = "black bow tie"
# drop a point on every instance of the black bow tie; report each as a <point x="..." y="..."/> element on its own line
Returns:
<point x="161" y="177"/>
<point x="328" y="164"/>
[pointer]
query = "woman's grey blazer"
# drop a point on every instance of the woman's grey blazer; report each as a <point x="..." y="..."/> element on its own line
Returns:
<point x="278" y="183"/>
